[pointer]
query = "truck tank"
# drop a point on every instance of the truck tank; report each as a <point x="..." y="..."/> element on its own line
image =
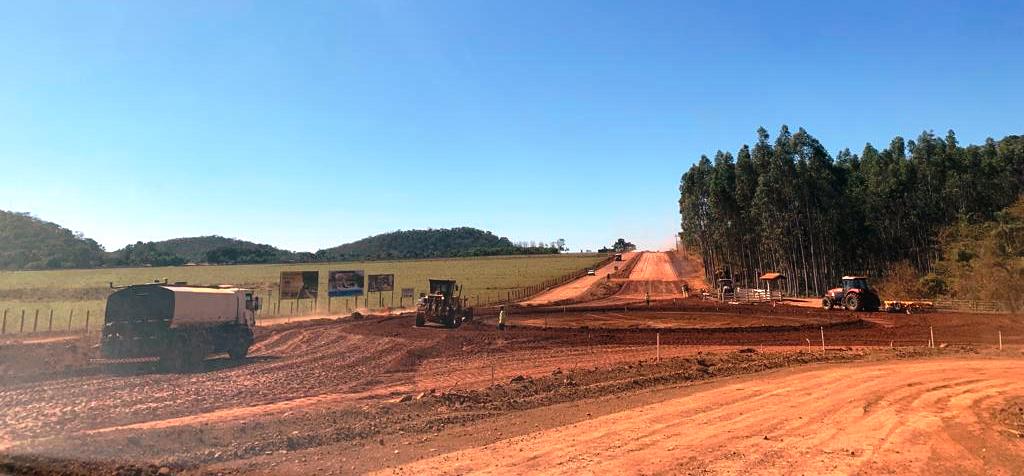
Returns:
<point x="179" y="324"/>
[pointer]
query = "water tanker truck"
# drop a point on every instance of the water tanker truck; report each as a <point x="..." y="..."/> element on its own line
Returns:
<point x="179" y="324"/>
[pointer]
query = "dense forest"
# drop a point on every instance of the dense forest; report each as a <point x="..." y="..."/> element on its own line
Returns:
<point x="787" y="205"/>
<point x="27" y="242"/>
<point x="434" y="243"/>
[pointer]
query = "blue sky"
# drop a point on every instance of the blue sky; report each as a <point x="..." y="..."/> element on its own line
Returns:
<point x="307" y="125"/>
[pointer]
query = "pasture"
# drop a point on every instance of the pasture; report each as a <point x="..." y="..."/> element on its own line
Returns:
<point x="81" y="292"/>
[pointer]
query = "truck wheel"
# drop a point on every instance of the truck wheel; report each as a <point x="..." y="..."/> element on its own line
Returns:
<point x="238" y="350"/>
<point x="172" y="359"/>
<point x="420" y="320"/>
<point x="826" y="304"/>
<point x="194" y="359"/>
<point x="852" y="302"/>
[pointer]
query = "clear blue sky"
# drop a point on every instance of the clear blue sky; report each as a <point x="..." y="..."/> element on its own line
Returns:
<point x="306" y="125"/>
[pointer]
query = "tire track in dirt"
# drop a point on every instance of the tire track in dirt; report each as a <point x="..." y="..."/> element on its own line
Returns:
<point x="904" y="417"/>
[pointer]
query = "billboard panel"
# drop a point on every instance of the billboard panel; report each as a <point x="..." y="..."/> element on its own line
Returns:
<point x="408" y="292"/>
<point x="300" y="284"/>
<point x="345" y="283"/>
<point x="382" y="282"/>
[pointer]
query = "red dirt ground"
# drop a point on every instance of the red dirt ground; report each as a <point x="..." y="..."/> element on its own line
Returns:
<point x="577" y="390"/>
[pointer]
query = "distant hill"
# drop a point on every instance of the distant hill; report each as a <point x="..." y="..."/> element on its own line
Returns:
<point x="27" y="242"/>
<point x="439" y="243"/>
<point x="202" y="249"/>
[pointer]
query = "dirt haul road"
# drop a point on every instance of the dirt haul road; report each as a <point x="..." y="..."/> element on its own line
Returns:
<point x="577" y="287"/>
<point x="312" y="386"/>
<point x="654" y="274"/>
<point x="915" y="417"/>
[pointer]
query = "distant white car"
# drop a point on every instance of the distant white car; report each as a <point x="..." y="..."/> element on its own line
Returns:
<point x="591" y="272"/>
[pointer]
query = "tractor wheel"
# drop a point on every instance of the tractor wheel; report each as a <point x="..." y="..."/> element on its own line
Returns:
<point x="852" y="302"/>
<point x="420" y="320"/>
<point x="826" y="304"/>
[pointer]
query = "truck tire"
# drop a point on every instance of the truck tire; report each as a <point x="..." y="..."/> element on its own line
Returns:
<point x="238" y="350"/>
<point x="172" y="359"/>
<point x="420" y="320"/>
<point x="185" y="354"/>
<point x="852" y="302"/>
<point x="826" y="304"/>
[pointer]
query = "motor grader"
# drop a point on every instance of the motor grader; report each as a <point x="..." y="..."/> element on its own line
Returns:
<point x="443" y="306"/>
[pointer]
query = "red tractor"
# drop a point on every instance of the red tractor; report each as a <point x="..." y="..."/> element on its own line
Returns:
<point x="855" y="295"/>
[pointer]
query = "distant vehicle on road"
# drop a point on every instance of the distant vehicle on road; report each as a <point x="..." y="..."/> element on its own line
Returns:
<point x="618" y="256"/>
<point x="591" y="272"/>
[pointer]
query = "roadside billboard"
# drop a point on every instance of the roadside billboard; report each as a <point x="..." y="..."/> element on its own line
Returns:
<point x="299" y="284"/>
<point x="345" y="283"/>
<point x="408" y="292"/>
<point x="381" y="282"/>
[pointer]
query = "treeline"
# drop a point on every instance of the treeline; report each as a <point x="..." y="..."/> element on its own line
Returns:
<point x="202" y="249"/>
<point x="432" y="243"/>
<point x="29" y="243"/>
<point x="982" y="261"/>
<point x="787" y="205"/>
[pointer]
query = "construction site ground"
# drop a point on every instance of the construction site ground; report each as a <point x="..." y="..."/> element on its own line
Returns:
<point x="585" y="380"/>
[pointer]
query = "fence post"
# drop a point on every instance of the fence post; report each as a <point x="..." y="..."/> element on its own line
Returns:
<point x="22" y="328"/>
<point x="3" y="330"/>
<point x="35" y="322"/>
<point x="658" y="347"/>
<point x="71" y="317"/>
<point x="87" y="312"/>
<point x="49" y="327"/>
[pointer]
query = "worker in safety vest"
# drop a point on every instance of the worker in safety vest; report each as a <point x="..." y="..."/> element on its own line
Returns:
<point x="501" y="318"/>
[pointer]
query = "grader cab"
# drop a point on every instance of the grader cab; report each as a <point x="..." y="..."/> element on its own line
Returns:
<point x="443" y="305"/>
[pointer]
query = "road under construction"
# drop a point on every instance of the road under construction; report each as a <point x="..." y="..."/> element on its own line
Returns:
<point x="617" y="372"/>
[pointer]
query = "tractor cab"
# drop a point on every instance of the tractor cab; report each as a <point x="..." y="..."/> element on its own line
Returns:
<point x="725" y="289"/>
<point x="855" y="282"/>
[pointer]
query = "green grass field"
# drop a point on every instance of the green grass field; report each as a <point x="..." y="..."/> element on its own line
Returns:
<point x="83" y="292"/>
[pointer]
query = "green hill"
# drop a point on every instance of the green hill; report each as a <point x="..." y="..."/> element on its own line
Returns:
<point x="201" y="249"/>
<point x="27" y="242"/>
<point x="439" y="243"/>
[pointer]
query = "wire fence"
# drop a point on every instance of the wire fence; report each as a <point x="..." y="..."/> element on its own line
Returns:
<point x="44" y="319"/>
<point x="34" y="321"/>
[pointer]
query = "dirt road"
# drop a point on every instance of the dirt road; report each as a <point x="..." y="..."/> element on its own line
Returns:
<point x="654" y="267"/>
<point x="654" y="275"/>
<point x="310" y="385"/>
<point x="895" y="417"/>
<point x="576" y="287"/>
